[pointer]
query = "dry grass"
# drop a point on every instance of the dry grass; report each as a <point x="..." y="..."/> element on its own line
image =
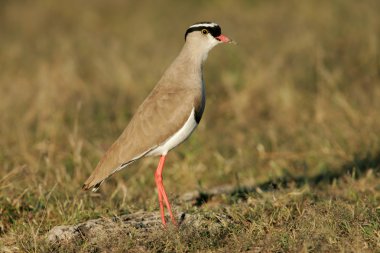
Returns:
<point x="298" y="99"/>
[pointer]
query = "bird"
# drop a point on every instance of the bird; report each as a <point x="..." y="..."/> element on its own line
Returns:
<point x="169" y="114"/>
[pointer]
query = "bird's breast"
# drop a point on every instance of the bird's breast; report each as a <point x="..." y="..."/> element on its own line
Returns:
<point x="200" y="103"/>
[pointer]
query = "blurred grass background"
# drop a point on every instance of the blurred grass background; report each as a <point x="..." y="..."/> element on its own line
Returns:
<point x="299" y="97"/>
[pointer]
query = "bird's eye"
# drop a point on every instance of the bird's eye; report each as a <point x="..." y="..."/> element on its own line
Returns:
<point x="204" y="31"/>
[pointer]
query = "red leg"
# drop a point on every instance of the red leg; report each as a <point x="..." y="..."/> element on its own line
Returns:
<point x="161" y="192"/>
<point x="162" y="210"/>
<point x="165" y="197"/>
<point x="158" y="179"/>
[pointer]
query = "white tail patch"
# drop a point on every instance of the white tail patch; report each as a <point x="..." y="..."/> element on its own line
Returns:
<point x="96" y="187"/>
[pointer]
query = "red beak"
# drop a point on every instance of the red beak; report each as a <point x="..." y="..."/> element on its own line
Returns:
<point x="223" y="38"/>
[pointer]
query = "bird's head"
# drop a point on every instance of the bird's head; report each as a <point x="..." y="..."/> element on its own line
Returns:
<point x="205" y="35"/>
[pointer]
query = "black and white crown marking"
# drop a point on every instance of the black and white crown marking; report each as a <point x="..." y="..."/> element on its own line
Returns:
<point x="213" y="28"/>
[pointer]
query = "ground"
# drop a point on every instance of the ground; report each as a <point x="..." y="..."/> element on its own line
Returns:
<point x="291" y="123"/>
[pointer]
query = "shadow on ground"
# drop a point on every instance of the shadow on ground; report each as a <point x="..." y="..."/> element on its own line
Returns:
<point x="355" y="168"/>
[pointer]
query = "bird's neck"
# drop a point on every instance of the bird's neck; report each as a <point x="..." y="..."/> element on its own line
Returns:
<point x="194" y="54"/>
<point x="186" y="69"/>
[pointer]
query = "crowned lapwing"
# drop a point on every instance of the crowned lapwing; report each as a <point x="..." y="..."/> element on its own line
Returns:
<point x="168" y="115"/>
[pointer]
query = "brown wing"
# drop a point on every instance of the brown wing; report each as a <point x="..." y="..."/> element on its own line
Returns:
<point x="162" y="113"/>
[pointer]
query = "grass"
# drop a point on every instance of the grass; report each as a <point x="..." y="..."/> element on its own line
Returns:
<point x="296" y="104"/>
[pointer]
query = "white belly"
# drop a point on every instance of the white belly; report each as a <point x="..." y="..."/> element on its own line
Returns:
<point x="177" y="138"/>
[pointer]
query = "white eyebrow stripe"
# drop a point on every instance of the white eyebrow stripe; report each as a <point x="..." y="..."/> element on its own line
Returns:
<point x="204" y="24"/>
